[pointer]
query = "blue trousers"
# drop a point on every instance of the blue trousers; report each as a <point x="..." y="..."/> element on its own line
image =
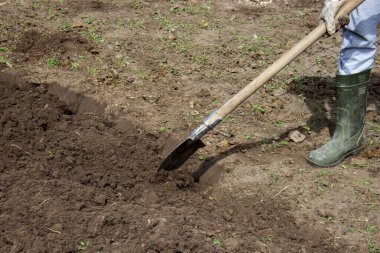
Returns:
<point x="359" y="39"/>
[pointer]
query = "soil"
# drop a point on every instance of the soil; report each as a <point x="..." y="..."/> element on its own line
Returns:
<point x="93" y="94"/>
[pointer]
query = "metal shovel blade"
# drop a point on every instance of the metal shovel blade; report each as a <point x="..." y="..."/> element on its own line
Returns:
<point x="180" y="154"/>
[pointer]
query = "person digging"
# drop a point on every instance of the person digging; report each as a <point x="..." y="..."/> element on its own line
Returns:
<point x="355" y="62"/>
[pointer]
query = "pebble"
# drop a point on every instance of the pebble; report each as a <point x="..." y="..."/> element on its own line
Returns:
<point x="100" y="199"/>
<point x="172" y="37"/>
<point x="231" y="244"/>
<point x="296" y="136"/>
<point x="130" y="79"/>
<point x="227" y="217"/>
<point x="77" y="22"/>
<point x="222" y="144"/>
<point x="371" y="108"/>
<point x="279" y="92"/>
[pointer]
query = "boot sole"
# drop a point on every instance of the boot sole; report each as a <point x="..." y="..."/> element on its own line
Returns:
<point x="352" y="152"/>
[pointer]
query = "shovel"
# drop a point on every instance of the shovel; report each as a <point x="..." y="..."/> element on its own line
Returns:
<point x="193" y="142"/>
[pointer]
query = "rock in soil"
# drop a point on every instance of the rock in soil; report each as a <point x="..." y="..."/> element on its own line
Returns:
<point x="296" y="136"/>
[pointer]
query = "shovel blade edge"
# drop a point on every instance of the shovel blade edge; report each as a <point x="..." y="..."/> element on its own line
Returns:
<point x="181" y="154"/>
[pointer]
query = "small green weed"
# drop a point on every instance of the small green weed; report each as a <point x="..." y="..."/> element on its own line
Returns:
<point x="372" y="229"/>
<point x="137" y="4"/>
<point x="322" y="185"/>
<point x="36" y="5"/>
<point x="82" y="245"/>
<point x="83" y="57"/>
<point x="371" y="246"/>
<point x="136" y="24"/>
<point x="50" y="154"/>
<point x="163" y="129"/>
<point x="319" y="61"/>
<point x="74" y="65"/>
<point x="65" y="26"/>
<point x="279" y="123"/>
<point x="216" y="241"/>
<point x="144" y="74"/>
<point x="4" y="60"/>
<point x="258" y="108"/>
<point x="268" y="238"/>
<point x="193" y="117"/>
<point x="92" y="34"/>
<point x="302" y="170"/>
<point x="366" y="182"/>
<point x="94" y="71"/>
<point x="307" y="129"/>
<point x="329" y="219"/>
<point x="247" y="136"/>
<point x="53" y="62"/>
<point x="274" y="177"/>
<point x="272" y="87"/>
<point x="203" y="24"/>
<point x="120" y="23"/>
<point x="322" y="173"/>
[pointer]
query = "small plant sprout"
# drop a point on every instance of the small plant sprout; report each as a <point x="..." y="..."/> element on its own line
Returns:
<point x="269" y="238"/>
<point x="258" y="108"/>
<point x="366" y="182"/>
<point x="201" y="157"/>
<point x="53" y="62"/>
<point x="120" y="23"/>
<point x="93" y="35"/>
<point x="216" y="241"/>
<point x="94" y="71"/>
<point x="307" y="129"/>
<point x="82" y="245"/>
<point x="329" y="219"/>
<point x="247" y="136"/>
<point x="322" y="185"/>
<point x="203" y="24"/>
<point x="372" y="229"/>
<point x="274" y="177"/>
<point x="322" y="173"/>
<point x="302" y="170"/>
<point x="50" y="154"/>
<point x="371" y="246"/>
<point x="302" y="96"/>
<point x="279" y="123"/>
<point x="74" y="65"/>
<point x="163" y="129"/>
<point x="3" y="60"/>
<point x="65" y="26"/>
<point x="319" y="61"/>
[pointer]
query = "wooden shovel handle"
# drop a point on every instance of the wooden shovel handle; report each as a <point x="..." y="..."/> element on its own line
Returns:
<point x="285" y="59"/>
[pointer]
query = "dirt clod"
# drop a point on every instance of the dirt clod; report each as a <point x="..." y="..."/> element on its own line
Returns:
<point x="296" y="136"/>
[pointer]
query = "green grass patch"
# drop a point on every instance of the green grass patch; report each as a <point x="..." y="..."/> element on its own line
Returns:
<point x="53" y="62"/>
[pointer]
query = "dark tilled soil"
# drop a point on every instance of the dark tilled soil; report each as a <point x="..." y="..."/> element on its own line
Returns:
<point x="74" y="180"/>
<point x="76" y="175"/>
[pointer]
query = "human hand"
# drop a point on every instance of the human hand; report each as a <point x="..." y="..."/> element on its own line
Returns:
<point x="329" y="11"/>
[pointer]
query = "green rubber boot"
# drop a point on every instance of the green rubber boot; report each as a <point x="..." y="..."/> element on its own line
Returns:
<point x="348" y="138"/>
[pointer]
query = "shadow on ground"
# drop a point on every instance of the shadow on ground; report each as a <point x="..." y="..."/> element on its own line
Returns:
<point x="319" y="94"/>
